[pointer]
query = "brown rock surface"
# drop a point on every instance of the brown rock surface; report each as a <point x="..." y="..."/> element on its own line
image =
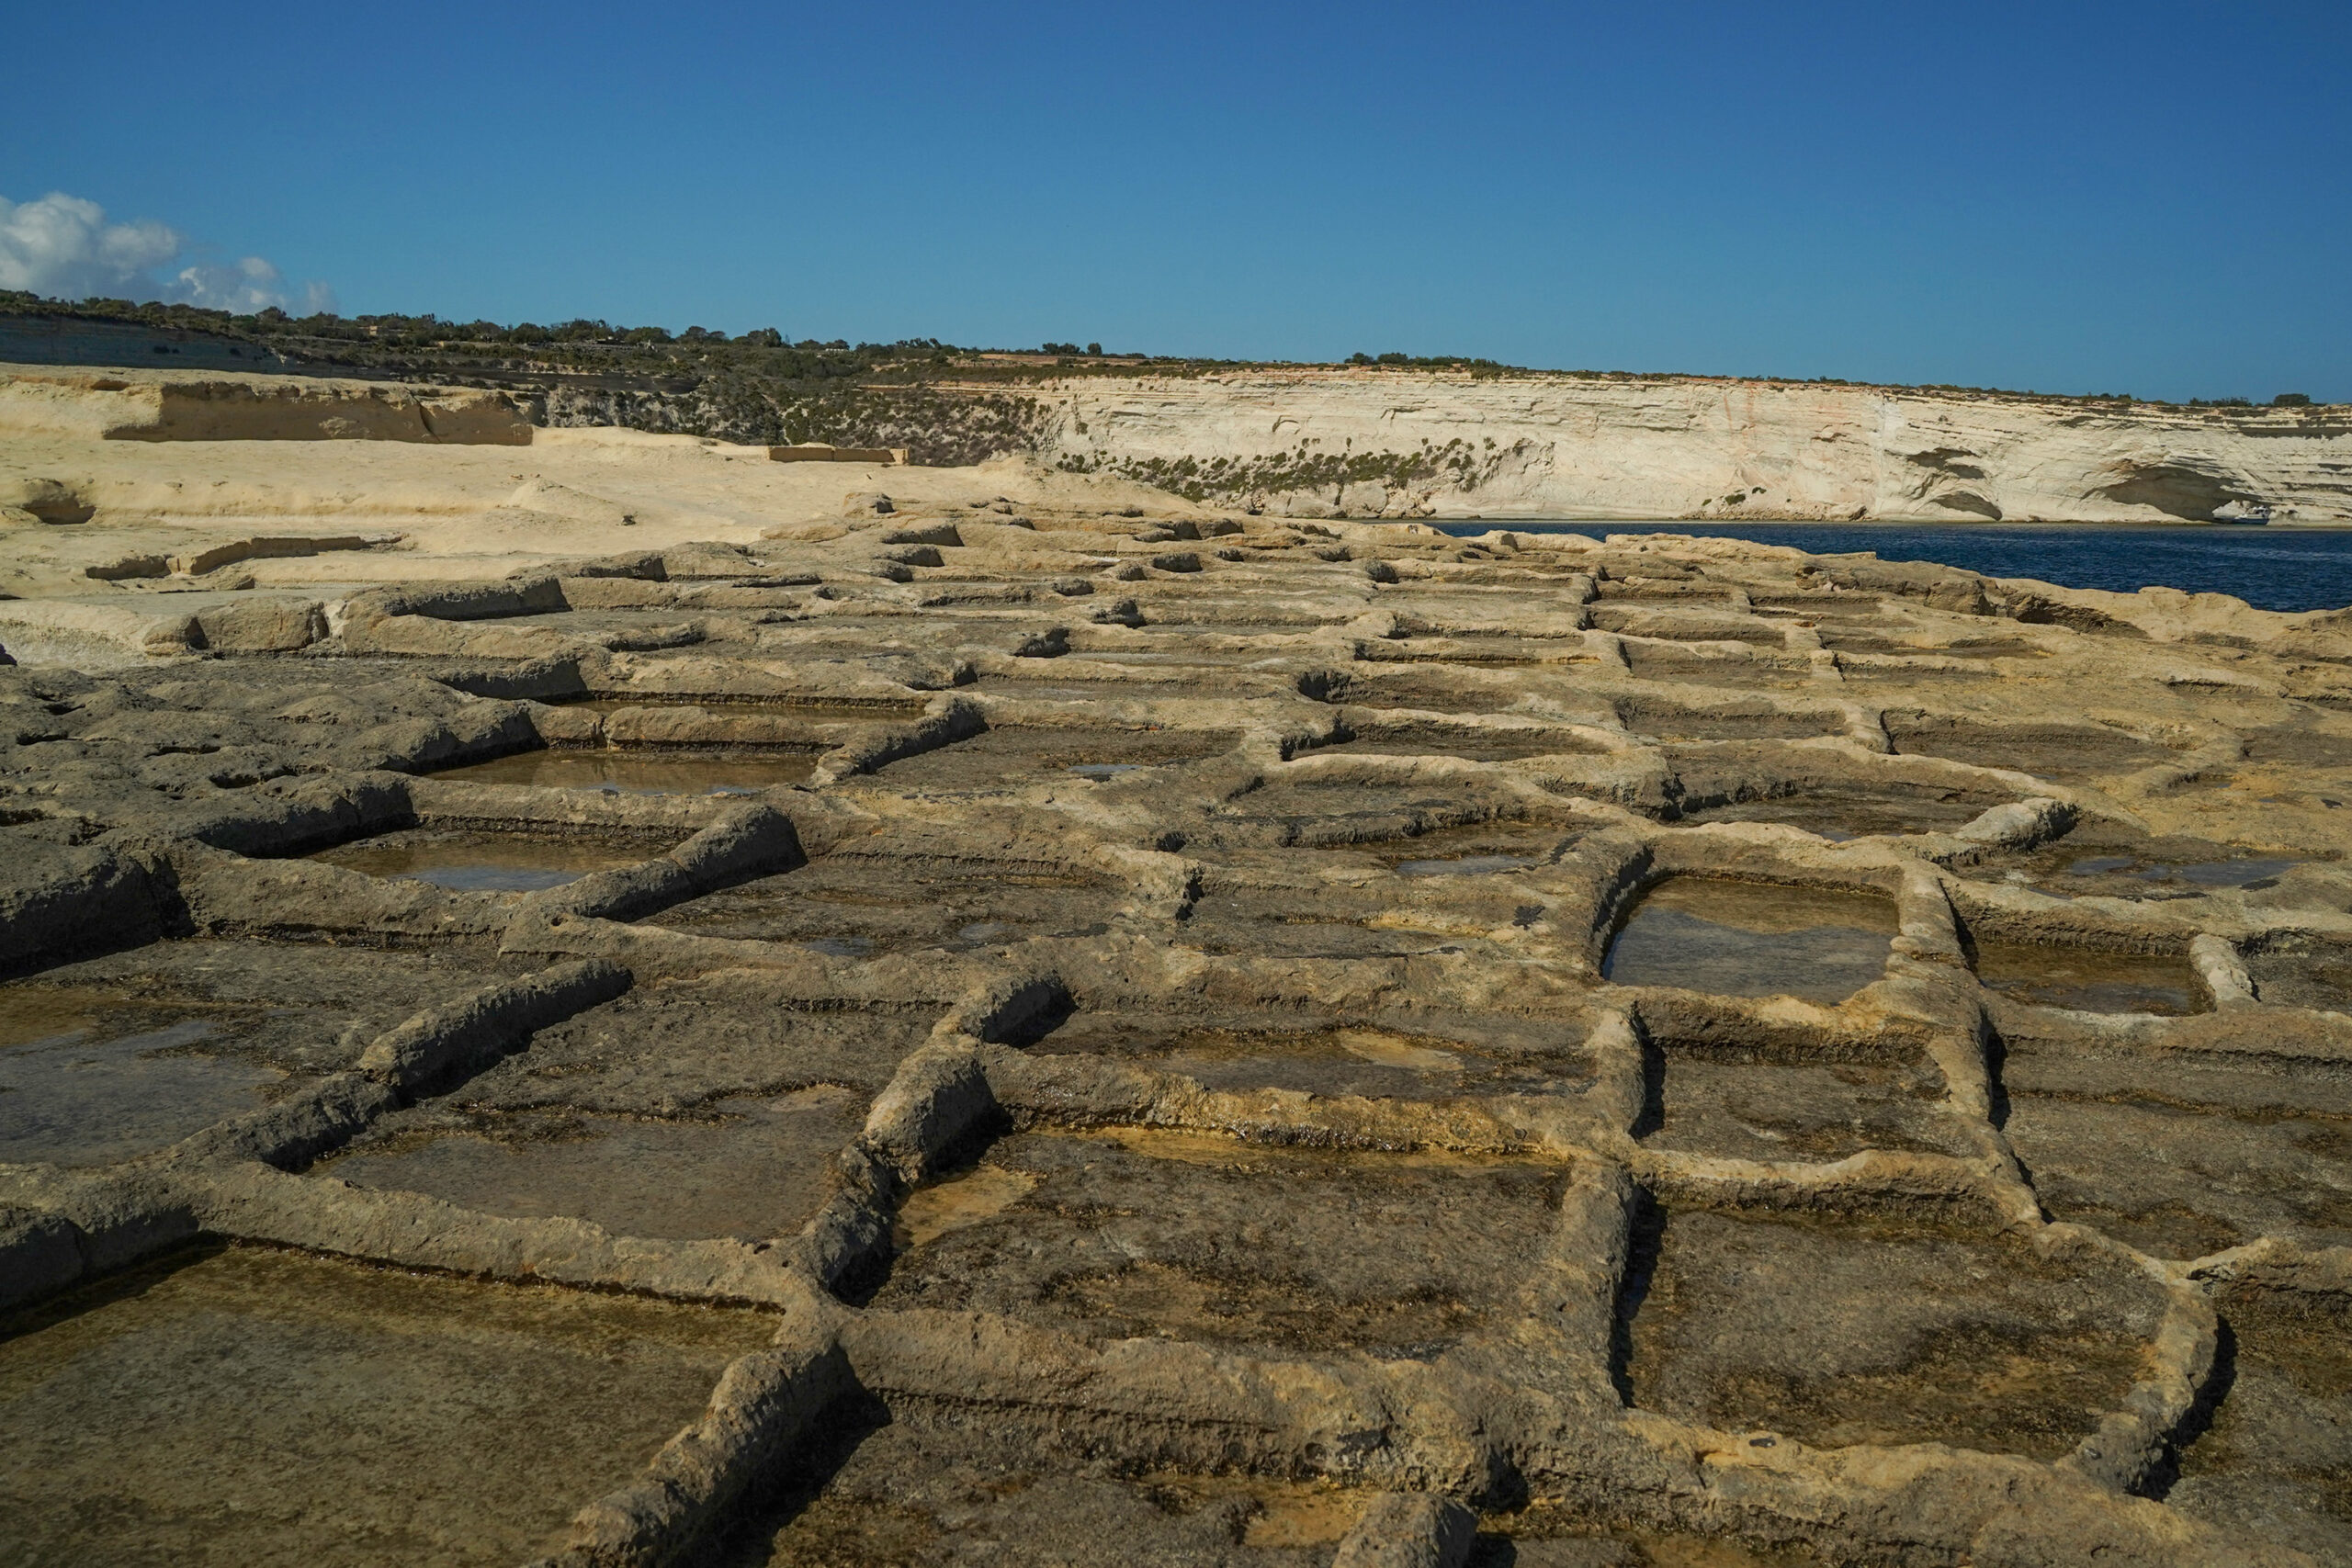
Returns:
<point x="914" y="1039"/>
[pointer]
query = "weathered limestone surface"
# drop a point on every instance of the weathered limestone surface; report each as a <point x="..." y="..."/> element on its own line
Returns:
<point x="1366" y="444"/>
<point x="1306" y="442"/>
<point x="1251" y="1042"/>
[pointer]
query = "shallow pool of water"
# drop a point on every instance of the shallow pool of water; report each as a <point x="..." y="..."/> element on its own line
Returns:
<point x="91" y="1096"/>
<point x="841" y="946"/>
<point x="1467" y="866"/>
<point x="2205" y="874"/>
<point x="2088" y="981"/>
<point x="482" y="863"/>
<point x="1747" y="938"/>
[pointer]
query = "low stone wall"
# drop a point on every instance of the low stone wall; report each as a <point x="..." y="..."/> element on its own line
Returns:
<point x="131" y="407"/>
<point x="818" y="452"/>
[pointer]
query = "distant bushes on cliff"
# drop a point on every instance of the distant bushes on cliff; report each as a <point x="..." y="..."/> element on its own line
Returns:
<point x="1427" y="361"/>
<point x="1456" y="464"/>
<point x="427" y="345"/>
<point x="939" y="429"/>
<point x="653" y="362"/>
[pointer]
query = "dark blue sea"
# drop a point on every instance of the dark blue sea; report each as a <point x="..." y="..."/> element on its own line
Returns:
<point x="2271" y="569"/>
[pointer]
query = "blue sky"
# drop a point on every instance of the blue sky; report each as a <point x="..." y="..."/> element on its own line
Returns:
<point x="2153" y="197"/>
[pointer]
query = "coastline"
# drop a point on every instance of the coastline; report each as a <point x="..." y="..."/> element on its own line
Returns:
<point x="2291" y="570"/>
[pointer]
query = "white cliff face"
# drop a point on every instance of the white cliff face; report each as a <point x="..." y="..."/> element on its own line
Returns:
<point x="1383" y="443"/>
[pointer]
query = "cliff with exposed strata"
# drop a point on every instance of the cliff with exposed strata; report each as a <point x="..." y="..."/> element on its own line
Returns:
<point x="1383" y="443"/>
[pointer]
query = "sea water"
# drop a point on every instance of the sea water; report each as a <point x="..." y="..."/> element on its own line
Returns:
<point x="2271" y="568"/>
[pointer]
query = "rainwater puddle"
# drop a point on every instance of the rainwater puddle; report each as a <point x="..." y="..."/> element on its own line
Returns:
<point x="1468" y="865"/>
<point x="90" y="1095"/>
<point x="756" y="1170"/>
<point x="841" y="946"/>
<point x="268" y="1408"/>
<point x="481" y="863"/>
<point x="2089" y="981"/>
<point x="1746" y="939"/>
<point x="2250" y="871"/>
<point x="642" y="772"/>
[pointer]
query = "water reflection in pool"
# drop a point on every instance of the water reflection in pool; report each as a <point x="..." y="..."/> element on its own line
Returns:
<point x="483" y="863"/>
<point x="1745" y="939"/>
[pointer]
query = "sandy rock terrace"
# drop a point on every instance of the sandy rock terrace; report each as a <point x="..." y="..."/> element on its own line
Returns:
<point x="997" y="1032"/>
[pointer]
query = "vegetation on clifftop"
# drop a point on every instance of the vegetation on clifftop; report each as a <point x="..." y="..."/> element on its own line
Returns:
<point x="427" y="346"/>
<point x="1457" y="465"/>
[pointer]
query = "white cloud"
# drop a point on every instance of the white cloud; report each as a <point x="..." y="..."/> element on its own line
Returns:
<point x="251" y="285"/>
<point x="61" y="247"/>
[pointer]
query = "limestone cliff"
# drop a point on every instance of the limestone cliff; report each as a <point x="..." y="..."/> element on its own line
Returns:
<point x="1324" y="442"/>
<point x="1382" y="443"/>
